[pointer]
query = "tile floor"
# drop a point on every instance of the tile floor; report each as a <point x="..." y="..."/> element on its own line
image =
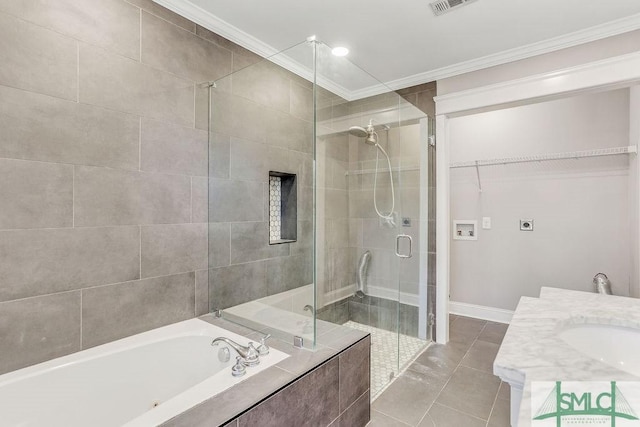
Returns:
<point x="384" y="353"/>
<point x="450" y="385"/>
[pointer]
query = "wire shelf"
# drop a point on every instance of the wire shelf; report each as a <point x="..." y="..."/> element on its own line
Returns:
<point x="545" y="157"/>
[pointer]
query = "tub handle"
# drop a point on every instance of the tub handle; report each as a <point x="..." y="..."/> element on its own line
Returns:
<point x="238" y="369"/>
<point x="263" y="349"/>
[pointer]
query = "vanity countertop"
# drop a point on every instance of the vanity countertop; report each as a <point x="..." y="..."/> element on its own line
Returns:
<point x="532" y="351"/>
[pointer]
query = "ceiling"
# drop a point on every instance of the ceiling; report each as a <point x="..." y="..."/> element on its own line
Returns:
<point x="402" y="43"/>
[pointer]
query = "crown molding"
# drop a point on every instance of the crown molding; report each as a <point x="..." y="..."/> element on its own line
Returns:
<point x="618" y="71"/>
<point x="208" y="20"/>
<point x="576" y="38"/>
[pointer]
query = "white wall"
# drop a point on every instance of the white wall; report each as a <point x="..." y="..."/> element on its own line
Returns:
<point x="580" y="208"/>
<point x="634" y="188"/>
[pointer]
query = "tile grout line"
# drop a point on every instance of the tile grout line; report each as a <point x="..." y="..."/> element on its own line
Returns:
<point x="78" y="72"/>
<point x="140" y="251"/>
<point x="451" y="376"/>
<point x="140" y="144"/>
<point x="81" y="302"/>
<point x="140" y="29"/>
<point x="389" y="416"/>
<point x="495" y="399"/>
<point x="73" y="196"/>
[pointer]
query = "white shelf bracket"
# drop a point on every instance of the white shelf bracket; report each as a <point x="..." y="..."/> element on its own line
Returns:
<point x="478" y="175"/>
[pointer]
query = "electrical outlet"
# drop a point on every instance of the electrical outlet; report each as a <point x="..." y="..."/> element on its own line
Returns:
<point x="526" y="225"/>
<point x="486" y="223"/>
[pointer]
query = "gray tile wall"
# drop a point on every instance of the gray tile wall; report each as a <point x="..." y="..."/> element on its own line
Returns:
<point x="103" y="173"/>
<point x="261" y="121"/>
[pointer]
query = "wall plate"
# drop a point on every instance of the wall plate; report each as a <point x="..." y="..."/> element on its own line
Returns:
<point x="465" y="229"/>
<point x="526" y="225"/>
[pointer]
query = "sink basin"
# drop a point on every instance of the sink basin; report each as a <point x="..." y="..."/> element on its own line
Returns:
<point x="614" y="345"/>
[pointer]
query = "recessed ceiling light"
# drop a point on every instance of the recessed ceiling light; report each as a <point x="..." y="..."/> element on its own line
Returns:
<point x="340" y="51"/>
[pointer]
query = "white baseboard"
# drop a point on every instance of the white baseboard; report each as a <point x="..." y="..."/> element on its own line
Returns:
<point x="480" y="312"/>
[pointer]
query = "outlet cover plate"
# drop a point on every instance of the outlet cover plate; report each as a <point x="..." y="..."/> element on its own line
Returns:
<point x="526" y="225"/>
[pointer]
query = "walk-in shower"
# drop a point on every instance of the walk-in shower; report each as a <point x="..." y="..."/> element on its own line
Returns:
<point x="305" y="177"/>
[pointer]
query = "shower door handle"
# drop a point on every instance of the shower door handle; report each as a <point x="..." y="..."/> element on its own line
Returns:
<point x="405" y="236"/>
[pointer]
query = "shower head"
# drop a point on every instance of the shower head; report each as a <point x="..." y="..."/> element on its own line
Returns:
<point x="358" y="131"/>
<point x="368" y="133"/>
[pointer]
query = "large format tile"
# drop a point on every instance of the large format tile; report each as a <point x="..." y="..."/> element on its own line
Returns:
<point x="248" y="161"/>
<point x="37" y="262"/>
<point x="378" y="419"/>
<point x="219" y="155"/>
<point x="442" y="416"/>
<point x="236" y="284"/>
<point x="164" y="13"/>
<point x="37" y="59"/>
<point x="286" y="131"/>
<point x="408" y="398"/>
<point x="286" y="273"/>
<point x="199" y="199"/>
<point x="238" y="117"/>
<point x="37" y="329"/>
<point x="40" y="127"/>
<point x="172" y="249"/>
<point x="264" y="83"/>
<point x="500" y="414"/>
<point x="202" y="292"/>
<point x="250" y="242"/>
<point x="113" y="197"/>
<point x="493" y="332"/>
<point x="219" y="247"/>
<point x="168" y="148"/>
<point x="354" y="372"/>
<point x="478" y="388"/>
<point x="310" y="401"/>
<point x="301" y="101"/>
<point x="481" y="356"/>
<point x="357" y="415"/>
<point x="438" y="360"/>
<point x="125" y="85"/>
<point x="170" y="48"/>
<point x="35" y="194"/>
<point x="112" y="24"/>
<point x="117" y="311"/>
<point x="235" y="201"/>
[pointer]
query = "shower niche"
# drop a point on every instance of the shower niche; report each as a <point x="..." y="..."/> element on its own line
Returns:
<point x="283" y="208"/>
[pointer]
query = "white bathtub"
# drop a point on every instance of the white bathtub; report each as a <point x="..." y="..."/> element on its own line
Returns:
<point x="141" y="380"/>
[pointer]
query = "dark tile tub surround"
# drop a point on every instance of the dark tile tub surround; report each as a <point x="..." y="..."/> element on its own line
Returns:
<point x="325" y="387"/>
<point x="373" y="311"/>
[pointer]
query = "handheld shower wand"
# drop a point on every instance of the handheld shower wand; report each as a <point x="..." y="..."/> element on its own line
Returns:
<point x="371" y="138"/>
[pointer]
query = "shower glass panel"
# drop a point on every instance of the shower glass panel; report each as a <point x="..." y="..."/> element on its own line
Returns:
<point x="369" y="222"/>
<point x="261" y="142"/>
<point x="308" y="138"/>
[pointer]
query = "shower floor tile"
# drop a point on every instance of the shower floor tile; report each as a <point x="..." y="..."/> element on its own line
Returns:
<point x="384" y="354"/>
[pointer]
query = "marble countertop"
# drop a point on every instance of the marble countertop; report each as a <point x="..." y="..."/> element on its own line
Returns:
<point x="532" y="351"/>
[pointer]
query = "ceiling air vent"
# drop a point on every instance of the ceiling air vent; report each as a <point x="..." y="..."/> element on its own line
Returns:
<point x="443" y="6"/>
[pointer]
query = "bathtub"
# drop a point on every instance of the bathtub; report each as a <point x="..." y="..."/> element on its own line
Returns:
<point x="137" y="381"/>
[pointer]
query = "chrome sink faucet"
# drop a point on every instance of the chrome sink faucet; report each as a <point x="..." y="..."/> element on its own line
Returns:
<point x="249" y="354"/>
